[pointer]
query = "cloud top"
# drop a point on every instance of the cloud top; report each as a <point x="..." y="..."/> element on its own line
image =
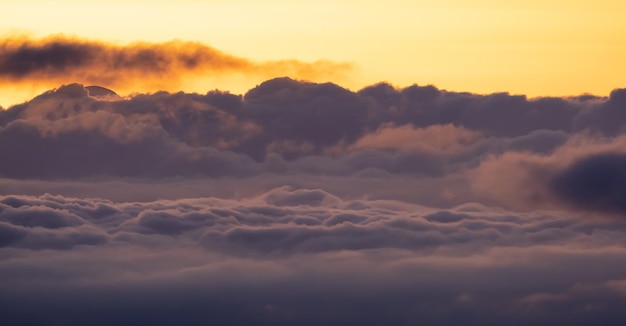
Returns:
<point x="308" y="203"/>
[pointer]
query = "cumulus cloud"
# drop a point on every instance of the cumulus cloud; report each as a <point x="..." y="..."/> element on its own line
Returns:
<point x="595" y="182"/>
<point x="307" y="203"/>
<point x="282" y="125"/>
<point x="584" y="174"/>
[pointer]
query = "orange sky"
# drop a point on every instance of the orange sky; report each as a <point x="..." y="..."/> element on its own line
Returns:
<point x="532" y="47"/>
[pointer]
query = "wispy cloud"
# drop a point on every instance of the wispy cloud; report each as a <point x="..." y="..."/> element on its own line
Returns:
<point x="139" y="66"/>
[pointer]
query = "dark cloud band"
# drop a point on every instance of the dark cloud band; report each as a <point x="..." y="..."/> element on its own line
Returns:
<point x="142" y="65"/>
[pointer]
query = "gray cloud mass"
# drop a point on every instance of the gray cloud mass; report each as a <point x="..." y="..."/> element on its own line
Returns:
<point x="305" y="203"/>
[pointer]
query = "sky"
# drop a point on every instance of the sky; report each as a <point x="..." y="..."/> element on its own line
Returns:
<point x="370" y="163"/>
<point x="537" y="48"/>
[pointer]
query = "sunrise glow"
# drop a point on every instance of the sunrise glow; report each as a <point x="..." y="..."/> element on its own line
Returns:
<point x="279" y="163"/>
<point x="537" y="48"/>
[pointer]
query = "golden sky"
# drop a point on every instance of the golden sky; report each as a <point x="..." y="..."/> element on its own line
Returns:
<point x="531" y="47"/>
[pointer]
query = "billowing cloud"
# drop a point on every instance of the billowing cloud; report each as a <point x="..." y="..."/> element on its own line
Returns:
<point x="307" y="203"/>
<point x="281" y="126"/>
<point x="583" y="174"/>
<point x="594" y="182"/>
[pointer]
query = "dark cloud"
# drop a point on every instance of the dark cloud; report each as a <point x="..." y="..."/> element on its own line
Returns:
<point x="596" y="182"/>
<point x="10" y="234"/>
<point x="140" y="65"/>
<point x="445" y="217"/>
<point x="51" y="219"/>
<point x="583" y="176"/>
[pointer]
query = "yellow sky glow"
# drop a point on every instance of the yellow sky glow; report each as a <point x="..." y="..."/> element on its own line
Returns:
<point x="532" y="47"/>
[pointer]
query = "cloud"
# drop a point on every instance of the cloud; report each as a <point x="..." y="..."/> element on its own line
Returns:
<point x="139" y="66"/>
<point x="282" y="220"/>
<point x="583" y="174"/>
<point x="436" y="138"/>
<point x="280" y="126"/>
<point x="595" y="182"/>
<point x="307" y="203"/>
<point x="64" y="56"/>
<point x="312" y="260"/>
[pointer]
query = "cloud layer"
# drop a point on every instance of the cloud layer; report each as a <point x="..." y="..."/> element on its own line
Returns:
<point x="306" y="203"/>
<point x="303" y="256"/>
